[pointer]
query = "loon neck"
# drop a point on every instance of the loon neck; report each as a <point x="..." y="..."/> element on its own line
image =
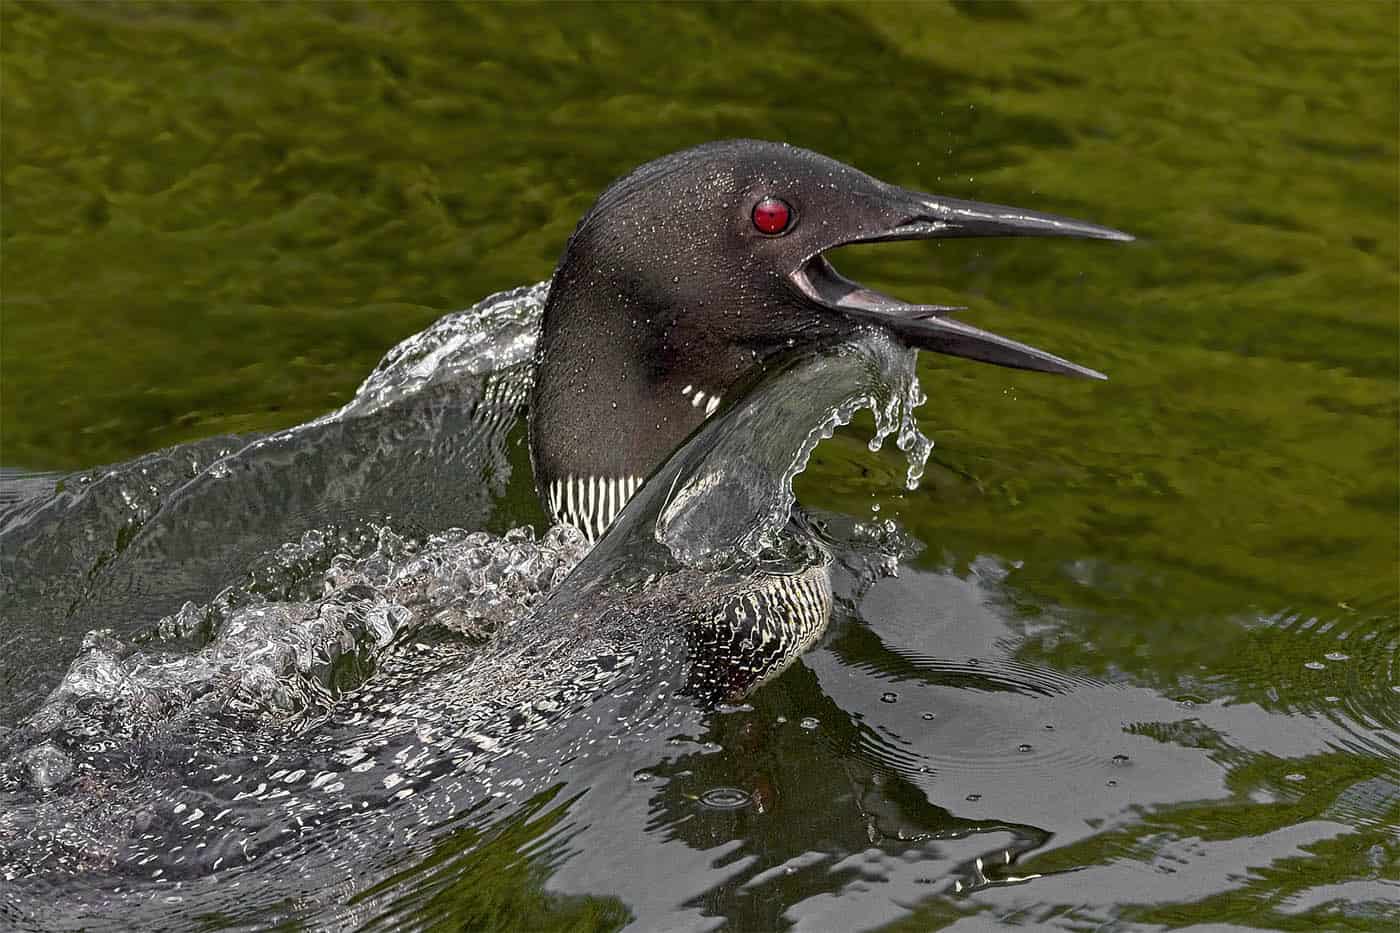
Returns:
<point x="617" y="388"/>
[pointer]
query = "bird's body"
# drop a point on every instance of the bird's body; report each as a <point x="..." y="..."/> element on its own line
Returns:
<point x="686" y="282"/>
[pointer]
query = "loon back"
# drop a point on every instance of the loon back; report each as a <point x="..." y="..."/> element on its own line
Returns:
<point x="694" y="273"/>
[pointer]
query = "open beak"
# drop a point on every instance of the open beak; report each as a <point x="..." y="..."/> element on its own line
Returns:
<point x="925" y="217"/>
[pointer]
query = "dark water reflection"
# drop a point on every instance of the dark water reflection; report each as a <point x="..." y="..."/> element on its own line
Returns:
<point x="216" y="219"/>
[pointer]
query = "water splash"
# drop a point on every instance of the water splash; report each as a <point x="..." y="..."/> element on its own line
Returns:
<point x="313" y="616"/>
<point x="421" y="447"/>
<point x="341" y="598"/>
<point x="734" y="495"/>
<point x="494" y="334"/>
<point x="342" y="607"/>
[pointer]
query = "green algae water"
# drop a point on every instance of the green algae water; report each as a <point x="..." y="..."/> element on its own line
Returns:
<point x="216" y="219"/>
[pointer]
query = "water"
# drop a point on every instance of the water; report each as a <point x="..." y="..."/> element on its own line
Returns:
<point x="1176" y="589"/>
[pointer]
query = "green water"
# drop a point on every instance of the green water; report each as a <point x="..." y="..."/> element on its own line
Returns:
<point x="218" y="218"/>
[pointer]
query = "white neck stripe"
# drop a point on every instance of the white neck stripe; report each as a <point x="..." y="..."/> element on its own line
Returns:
<point x="590" y="503"/>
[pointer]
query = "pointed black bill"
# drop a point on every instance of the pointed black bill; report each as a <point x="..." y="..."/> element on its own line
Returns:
<point x="928" y="327"/>
<point x="930" y="217"/>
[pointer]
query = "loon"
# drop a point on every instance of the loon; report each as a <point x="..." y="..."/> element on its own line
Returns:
<point x="686" y="280"/>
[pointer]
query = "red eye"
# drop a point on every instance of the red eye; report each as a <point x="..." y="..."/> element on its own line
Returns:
<point x="772" y="216"/>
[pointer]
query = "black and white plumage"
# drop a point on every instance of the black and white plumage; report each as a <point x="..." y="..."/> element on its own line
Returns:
<point x="755" y="628"/>
<point x="589" y="503"/>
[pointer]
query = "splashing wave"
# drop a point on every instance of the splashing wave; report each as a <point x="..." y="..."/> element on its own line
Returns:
<point x="250" y="615"/>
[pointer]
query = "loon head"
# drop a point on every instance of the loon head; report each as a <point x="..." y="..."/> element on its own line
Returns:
<point x="696" y="271"/>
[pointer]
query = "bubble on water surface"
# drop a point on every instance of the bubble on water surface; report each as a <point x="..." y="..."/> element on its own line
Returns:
<point x="726" y="798"/>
